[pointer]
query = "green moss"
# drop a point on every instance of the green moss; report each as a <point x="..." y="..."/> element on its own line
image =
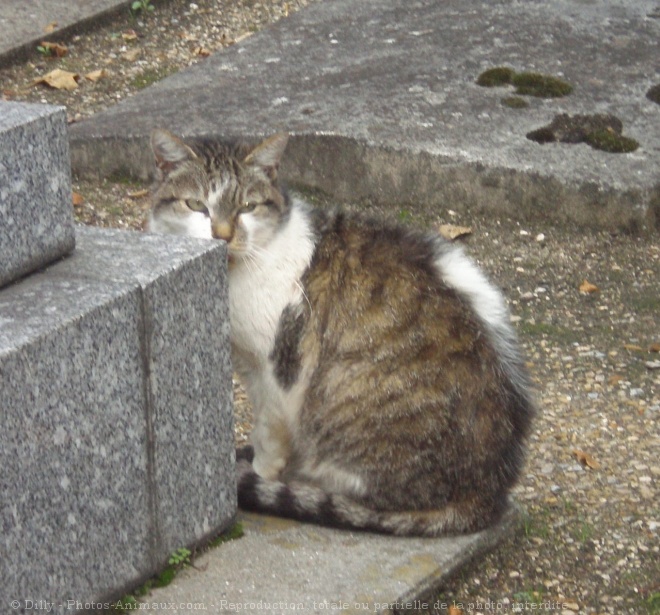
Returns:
<point x="654" y="94"/>
<point x="542" y="86"/>
<point x="515" y="102"/>
<point x="610" y="141"/>
<point x="495" y="77"/>
<point x="234" y="532"/>
<point x="149" y="77"/>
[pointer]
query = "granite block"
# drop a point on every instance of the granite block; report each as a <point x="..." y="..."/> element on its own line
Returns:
<point x="117" y="445"/>
<point x="187" y="332"/>
<point x="36" y="216"/>
<point x="74" y="514"/>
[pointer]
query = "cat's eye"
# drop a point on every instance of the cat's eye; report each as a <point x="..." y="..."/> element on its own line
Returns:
<point x="248" y="206"/>
<point x="196" y="205"/>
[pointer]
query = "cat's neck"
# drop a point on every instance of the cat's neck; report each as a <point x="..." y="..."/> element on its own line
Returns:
<point x="261" y="287"/>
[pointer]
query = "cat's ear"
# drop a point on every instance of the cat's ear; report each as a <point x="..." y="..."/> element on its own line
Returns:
<point x="269" y="153"/>
<point x="169" y="151"/>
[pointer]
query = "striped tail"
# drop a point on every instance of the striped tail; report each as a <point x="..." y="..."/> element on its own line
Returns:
<point x="308" y="503"/>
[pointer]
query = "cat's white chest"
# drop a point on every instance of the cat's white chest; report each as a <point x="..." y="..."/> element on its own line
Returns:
<point x="262" y="287"/>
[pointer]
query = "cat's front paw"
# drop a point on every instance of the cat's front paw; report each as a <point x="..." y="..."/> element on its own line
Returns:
<point x="245" y="453"/>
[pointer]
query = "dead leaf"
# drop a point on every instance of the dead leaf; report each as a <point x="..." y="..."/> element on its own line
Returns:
<point x="50" y="27"/>
<point x="54" y="49"/>
<point x="614" y="379"/>
<point x="454" y="610"/>
<point x="96" y="75"/>
<point x="131" y="55"/>
<point x="138" y="194"/>
<point x="78" y="199"/>
<point x="59" y="79"/>
<point x="201" y="51"/>
<point x="654" y="348"/>
<point x="129" y="35"/>
<point x="586" y="459"/>
<point x="451" y="231"/>
<point x="587" y="287"/>
<point x="633" y="347"/>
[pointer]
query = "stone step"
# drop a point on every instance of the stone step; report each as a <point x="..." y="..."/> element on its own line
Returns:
<point x="117" y="445"/>
<point x="36" y="217"/>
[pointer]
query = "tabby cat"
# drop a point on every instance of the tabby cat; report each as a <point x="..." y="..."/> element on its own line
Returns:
<point x="388" y="390"/>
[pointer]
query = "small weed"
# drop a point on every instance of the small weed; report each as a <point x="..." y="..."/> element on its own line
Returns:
<point x="404" y="216"/>
<point x="141" y="7"/>
<point x="47" y="52"/>
<point x="533" y="596"/>
<point x="181" y="557"/>
<point x="149" y="77"/>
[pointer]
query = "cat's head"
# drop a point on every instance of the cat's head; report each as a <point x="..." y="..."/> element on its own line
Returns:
<point x="215" y="190"/>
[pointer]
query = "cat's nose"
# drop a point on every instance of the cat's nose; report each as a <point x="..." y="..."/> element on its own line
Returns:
<point x="221" y="230"/>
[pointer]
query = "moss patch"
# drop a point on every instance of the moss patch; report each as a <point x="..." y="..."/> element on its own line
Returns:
<point x="542" y="86"/>
<point x="526" y="84"/>
<point x="610" y="141"/>
<point x="600" y="131"/>
<point x="515" y="102"/>
<point x="496" y="77"/>
<point x="654" y="94"/>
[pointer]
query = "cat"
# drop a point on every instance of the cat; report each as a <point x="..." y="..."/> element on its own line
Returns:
<point x="388" y="389"/>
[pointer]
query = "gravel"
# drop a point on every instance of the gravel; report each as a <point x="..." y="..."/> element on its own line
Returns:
<point x="586" y="305"/>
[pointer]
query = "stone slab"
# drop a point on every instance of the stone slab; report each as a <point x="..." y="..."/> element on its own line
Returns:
<point x="383" y="102"/>
<point x="23" y="24"/>
<point x="117" y="444"/>
<point x="36" y="216"/>
<point x="280" y="565"/>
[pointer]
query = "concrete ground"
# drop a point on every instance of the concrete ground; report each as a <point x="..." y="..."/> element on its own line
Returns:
<point x="382" y="100"/>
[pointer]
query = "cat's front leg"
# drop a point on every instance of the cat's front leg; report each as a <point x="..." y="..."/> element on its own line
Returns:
<point x="272" y="447"/>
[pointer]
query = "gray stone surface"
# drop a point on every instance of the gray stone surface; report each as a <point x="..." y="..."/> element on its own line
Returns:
<point x="23" y="24"/>
<point x="382" y="100"/>
<point x="281" y="563"/>
<point x="36" y="216"/>
<point x="117" y="441"/>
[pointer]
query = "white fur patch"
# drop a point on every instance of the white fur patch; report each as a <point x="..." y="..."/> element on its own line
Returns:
<point x="460" y="272"/>
<point x="194" y="224"/>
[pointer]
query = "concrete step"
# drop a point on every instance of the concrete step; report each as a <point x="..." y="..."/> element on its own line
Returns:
<point x="36" y="217"/>
<point x="117" y="445"/>
<point x="281" y="565"/>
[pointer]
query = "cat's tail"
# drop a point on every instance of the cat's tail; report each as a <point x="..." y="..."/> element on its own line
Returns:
<point x="309" y="503"/>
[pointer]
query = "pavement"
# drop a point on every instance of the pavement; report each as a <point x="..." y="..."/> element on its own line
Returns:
<point x="382" y="103"/>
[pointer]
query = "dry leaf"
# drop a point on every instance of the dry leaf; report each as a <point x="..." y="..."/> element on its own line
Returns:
<point x="54" y="49"/>
<point x="633" y="347"/>
<point x="50" y="27"/>
<point x="451" y="231"/>
<point x="138" y="194"/>
<point x="587" y="287"/>
<point x="201" y="51"/>
<point x="586" y="459"/>
<point x="129" y="35"/>
<point x="59" y="79"/>
<point x="78" y="199"/>
<point x="454" y="610"/>
<point x="654" y="348"/>
<point x="614" y="379"/>
<point x="131" y="55"/>
<point x="95" y="75"/>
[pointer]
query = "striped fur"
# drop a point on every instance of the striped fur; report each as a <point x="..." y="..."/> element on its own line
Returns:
<point x="388" y="389"/>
